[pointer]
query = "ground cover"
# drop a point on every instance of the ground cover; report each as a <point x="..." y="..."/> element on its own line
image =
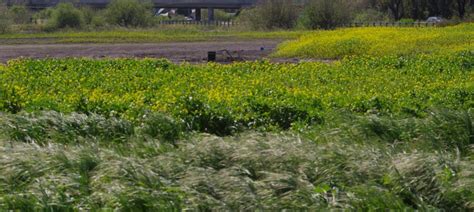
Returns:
<point x="164" y="34"/>
<point x="367" y="132"/>
<point x="225" y="98"/>
<point x="379" y="41"/>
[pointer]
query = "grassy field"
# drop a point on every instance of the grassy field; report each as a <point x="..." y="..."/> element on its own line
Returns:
<point x="164" y="34"/>
<point x="355" y="162"/>
<point x="392" y="130"/>
<point x="379" y="41"/>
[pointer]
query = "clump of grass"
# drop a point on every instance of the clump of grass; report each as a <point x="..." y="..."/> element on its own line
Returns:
<point x="49" y="126"/>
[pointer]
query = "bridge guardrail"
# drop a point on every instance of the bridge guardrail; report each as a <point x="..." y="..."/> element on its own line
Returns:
<point x="353" y="24"/>
<point x="203" y="23"/>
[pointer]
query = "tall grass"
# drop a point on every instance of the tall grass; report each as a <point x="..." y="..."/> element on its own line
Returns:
<point x="354" y="163"/>
<point x="54" y="161"/>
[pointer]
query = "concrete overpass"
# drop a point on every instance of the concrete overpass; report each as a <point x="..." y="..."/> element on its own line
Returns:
<point x="181" y="4"/>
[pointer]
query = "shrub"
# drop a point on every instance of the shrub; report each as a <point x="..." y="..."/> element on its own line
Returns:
<point x="162" y="127"/>
<point x="66" y="15"/>
<point x="406" y="21"/>
<point x="326" y="14"/>
<point x="20" y="14"/>
<point x="220" y="15"/>
<point x="5" y="20"/>
<point x="88" y="15"/>
<point x="42" y="16"/>
<point x="271" y="14"/>
<point x="129" y="13"/>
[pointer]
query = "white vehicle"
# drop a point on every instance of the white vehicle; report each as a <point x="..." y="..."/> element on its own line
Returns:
<point x="434" y="19"/>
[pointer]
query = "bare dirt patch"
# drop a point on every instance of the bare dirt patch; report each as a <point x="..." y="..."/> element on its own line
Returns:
<point x="193" y="52"/>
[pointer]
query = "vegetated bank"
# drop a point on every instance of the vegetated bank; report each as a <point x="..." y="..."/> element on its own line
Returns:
<point x="379" y="41"/>
<point x="363" y="133"/>
<point x="377" y="130"/>
<point x="163" y="34"/>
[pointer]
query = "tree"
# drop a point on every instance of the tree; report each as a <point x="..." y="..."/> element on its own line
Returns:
<point x="461" y="7"/>
<point x="417" y="9"/>
<point x="65" y="15"/>
<point x="129" y="13"/>
<point x="326" y="14"/>
<point x="395" y="7"/>
<point x="271" y="14"/>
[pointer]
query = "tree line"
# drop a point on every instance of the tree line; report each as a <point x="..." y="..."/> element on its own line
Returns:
<point x="267" y="14"/>
<point x="332" y="13"/>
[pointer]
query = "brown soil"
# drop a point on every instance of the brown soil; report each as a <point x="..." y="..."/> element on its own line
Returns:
<point x="193" y="52"/>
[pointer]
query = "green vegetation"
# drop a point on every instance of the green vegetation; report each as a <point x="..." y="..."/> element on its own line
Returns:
<point x="65" y="15"/>
<point x="363" y="133"/>
<point x="326" y="14"/>
<point x="389" y="126"/>
<point x="222" y="99"/>
<point x="165" y="34"/>
<point x="129" y="13"/>
<point x="52" y="161"/>
<point x="380" y="41"/>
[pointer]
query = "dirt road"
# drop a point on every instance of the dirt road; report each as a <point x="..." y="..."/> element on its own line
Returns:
<point x="193" y="52"/>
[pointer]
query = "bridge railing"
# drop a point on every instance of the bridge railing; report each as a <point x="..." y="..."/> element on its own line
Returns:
<point x="353" y="24"/>
<point x="201" y="23"/>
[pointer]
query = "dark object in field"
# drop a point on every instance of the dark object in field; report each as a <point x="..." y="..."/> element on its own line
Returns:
<point x="211" y="56"/>
<point x="225" y="56"/>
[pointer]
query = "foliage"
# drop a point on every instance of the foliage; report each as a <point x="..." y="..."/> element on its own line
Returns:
<point x="224" y="99"/>
<point x="344" y="164"/>
<point x="326" y="14"/>
<point x="129" y="13"/>
<point x="271" y="14"/>
<point x="5" y="20"/>
<point x="42" y="16"/>
<point x="65" y="15"/>
<point x="20" y="14"/>
<point x="379" y="42"/>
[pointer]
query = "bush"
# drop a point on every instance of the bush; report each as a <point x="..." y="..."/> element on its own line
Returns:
<point x="88" y="15"/>
<point x="326" y="14"/>
<point x="66" y="15"/>
<point x="406" y="21"/>
<point x="129" y="13"/>
<point x="5" y="20"/>
<point x="42" y="16"/>
<point x="219" y="15"/>
<point x="20" y="14"/>
<point x="162" y="127"/>
<point x="271" y="14"/>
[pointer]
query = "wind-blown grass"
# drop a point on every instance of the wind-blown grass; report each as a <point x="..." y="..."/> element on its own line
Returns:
<point x="379" y="41"/>
<point x="369" y="163"/>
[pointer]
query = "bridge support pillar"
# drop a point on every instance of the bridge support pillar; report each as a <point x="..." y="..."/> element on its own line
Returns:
<point x="197" y="14"/>
<point x="210" y="14"/>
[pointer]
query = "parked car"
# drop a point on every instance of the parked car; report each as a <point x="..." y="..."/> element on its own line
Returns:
<point x="434" y="19"/>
